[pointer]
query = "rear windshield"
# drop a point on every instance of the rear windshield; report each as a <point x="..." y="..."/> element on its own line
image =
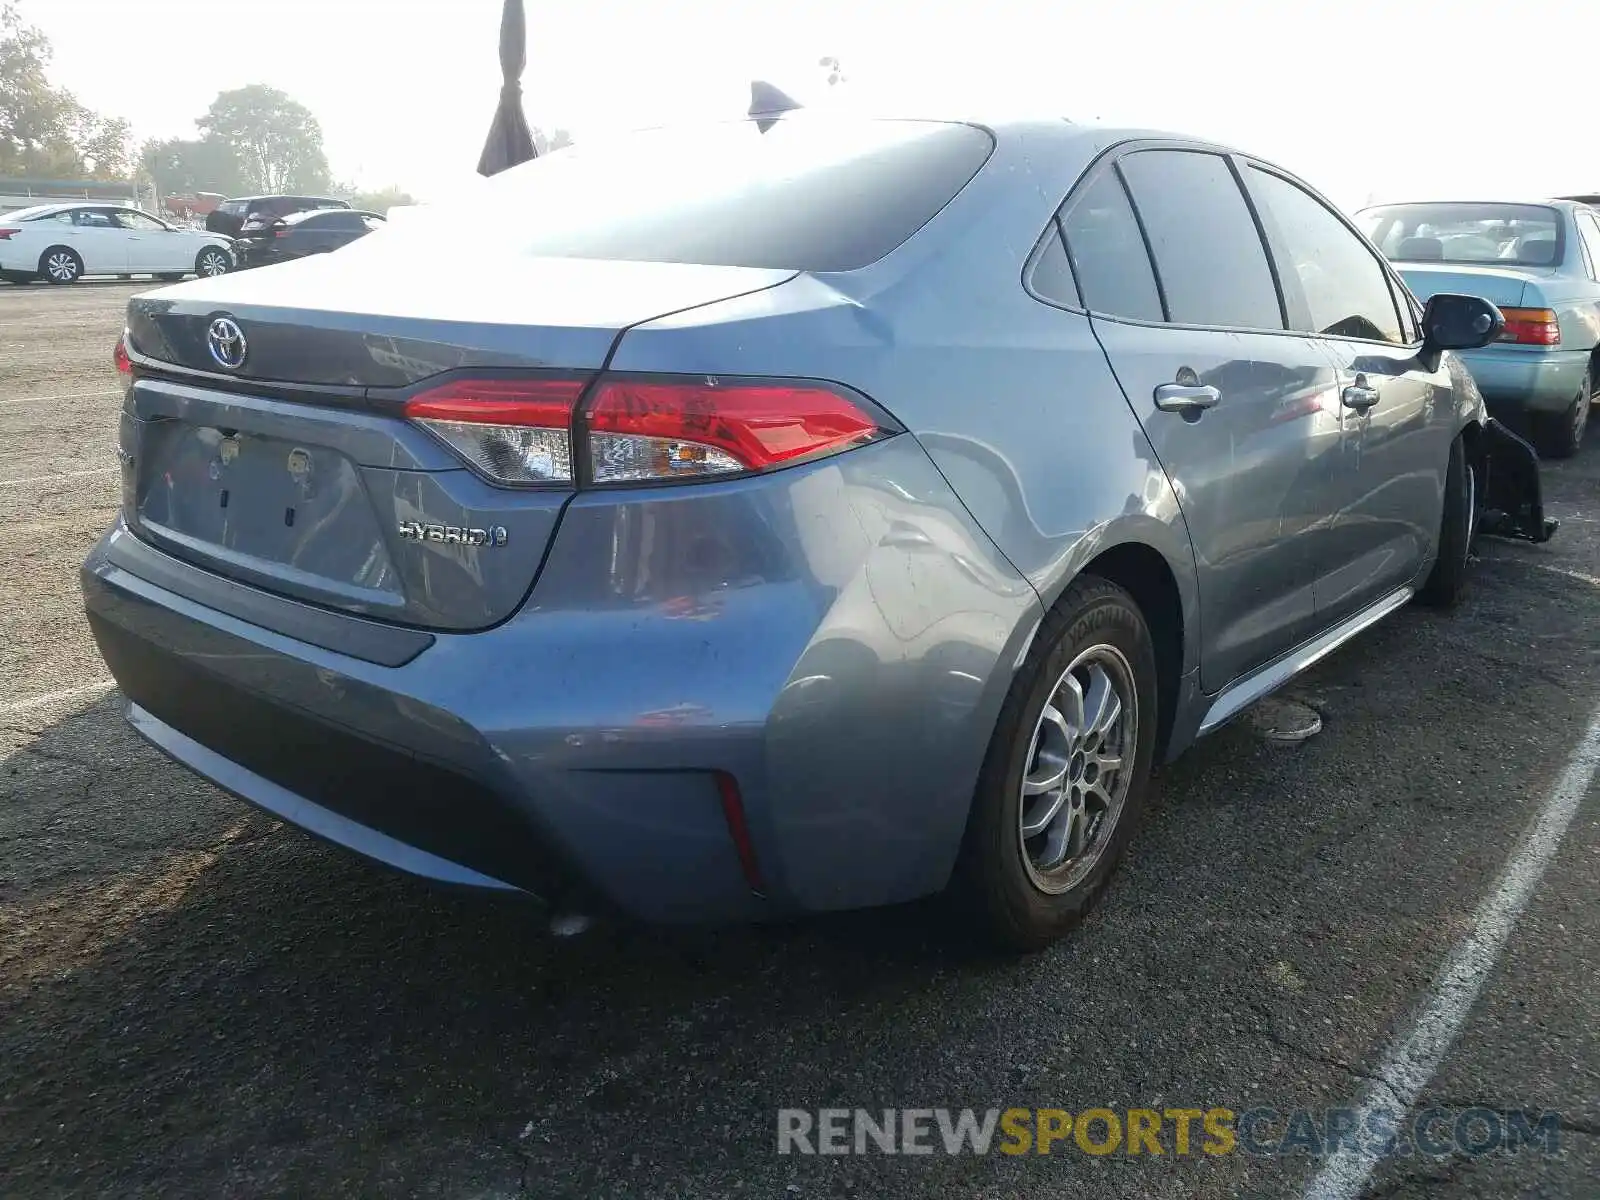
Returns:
<point x="809" y="194"/>
<point x="1523" y="235"/>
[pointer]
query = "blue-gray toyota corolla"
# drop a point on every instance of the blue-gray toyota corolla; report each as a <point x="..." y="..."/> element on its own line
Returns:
<point x="768" y="518"/>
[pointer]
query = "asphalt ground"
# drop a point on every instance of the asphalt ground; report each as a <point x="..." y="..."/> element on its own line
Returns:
<point x="198" y="1001"/>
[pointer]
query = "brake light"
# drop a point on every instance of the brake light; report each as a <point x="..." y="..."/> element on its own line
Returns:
<point x="635" y="430"/>
<point x="119" y="356"/>
<point x="5" y="234"/>
<point x="643" y="429"/>
<point x="278" y="233"/>
<point x="1531" y="327"/>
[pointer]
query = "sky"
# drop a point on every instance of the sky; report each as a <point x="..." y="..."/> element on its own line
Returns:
<point x="1369" y="101"/>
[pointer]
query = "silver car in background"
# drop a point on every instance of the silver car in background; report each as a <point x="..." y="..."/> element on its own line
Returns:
<point x="1540" y="263"/>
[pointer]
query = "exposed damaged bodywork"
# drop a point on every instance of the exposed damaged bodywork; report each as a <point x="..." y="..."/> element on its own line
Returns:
<point x="1513" y="502"/>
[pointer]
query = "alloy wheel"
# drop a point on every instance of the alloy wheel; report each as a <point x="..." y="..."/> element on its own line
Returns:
<point x="213" y="264"/>
<point x="61" y="267"/>
<point x="1079" y="767"/>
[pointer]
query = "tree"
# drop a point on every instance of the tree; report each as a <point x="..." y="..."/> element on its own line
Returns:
<point x="382" y="200"/>
<point x="277" y="140"/>
<point x="105" y="143"/>
<point x="36" y="119"/>
<point x="44" y="131"/>
<point x="181" y="166"/>
<point x="557" y="138"/>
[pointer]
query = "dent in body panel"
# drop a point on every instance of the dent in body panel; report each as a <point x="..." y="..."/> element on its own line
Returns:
<point x="836" y="636"/>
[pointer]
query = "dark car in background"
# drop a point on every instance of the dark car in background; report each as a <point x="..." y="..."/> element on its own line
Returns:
<point x="243" y="215"/>
<point x="303" y="233"/>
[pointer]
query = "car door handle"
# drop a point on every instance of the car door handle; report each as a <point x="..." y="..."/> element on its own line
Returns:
<point x="1358" y="398"/>
<point x="1185" y="397"/>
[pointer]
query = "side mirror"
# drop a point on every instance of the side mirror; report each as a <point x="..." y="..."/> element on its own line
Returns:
<point x="1451" y="322"/>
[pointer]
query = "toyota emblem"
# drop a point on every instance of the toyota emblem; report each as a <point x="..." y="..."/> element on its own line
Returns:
<point x="226" y="342"/>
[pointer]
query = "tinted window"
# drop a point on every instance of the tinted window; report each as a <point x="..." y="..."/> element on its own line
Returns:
<point x="1108" y="254"/>
<point x="1208" y="253"/>
<point x="1589" y="231"/>
<point x="1344" y="287"/>
<point x="1525" y="235"/>
<point x="811" y="193"/>
<point x="1052" y="274"/>
<point x="93" y="218"/>
<point x="138" y="221"/>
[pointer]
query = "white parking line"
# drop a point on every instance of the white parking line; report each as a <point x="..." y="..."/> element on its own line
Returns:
<point x="63" y="396"/>
<point x="1417" y="1053"/>
<point x="88" y="689"/>
<point x="1570" y="574"/>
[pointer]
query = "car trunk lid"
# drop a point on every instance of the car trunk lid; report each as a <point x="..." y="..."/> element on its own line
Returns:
<point x="296" y="470"/>
<point x="1502" y="286"/>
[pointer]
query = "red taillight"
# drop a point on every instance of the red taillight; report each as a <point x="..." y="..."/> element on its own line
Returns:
<point x="521" y="430"/>
<point x="120" y="356"/>
<point x="1531" y="327"/>
<point x="6" y="234"/>
<point x="642" y="429"/>
<point x="278" y="233"/>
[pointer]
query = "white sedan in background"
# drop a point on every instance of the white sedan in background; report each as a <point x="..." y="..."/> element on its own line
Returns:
<point x="61" y="243"/>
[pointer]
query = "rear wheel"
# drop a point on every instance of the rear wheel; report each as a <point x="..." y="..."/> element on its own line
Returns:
<point x="1560" y="435"/>
<point x="1458" y="527"/>
<point x="1067" y="775"/>
<point x="212" y="262"/>
<point x="60" y="264"/>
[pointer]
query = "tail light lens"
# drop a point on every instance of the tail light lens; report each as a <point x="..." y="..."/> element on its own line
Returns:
<point x="1531" y="327"/>
<point x="516" y="431"/>
<point x="654" y="430"/>
<point x="7" y="234"/>
<point x="639" y="430"/>
<point x="278" y="233"/>
<point x="119" y="356"/>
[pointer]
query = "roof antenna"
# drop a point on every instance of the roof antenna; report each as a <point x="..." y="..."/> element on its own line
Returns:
<point x="767" y="103"/>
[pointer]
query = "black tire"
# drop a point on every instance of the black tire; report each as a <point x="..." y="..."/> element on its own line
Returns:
<point x="60" y="265"/>
<point x="996" y="880"/>
<point x="1458" y="528"/>
<point x="1560" y="435"/>
<point x="212" y="261"/>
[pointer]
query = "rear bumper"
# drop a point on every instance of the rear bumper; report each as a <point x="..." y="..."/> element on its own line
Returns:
<point x="1514" y="380"/>
<point x="844" y="668"/>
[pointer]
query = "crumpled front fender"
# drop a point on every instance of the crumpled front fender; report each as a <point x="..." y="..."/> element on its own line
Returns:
<point x="1512" y="502"/>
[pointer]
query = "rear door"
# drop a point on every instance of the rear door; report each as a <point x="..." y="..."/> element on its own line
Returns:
<point x="1396" y="418"/>
<point x="99" y="241"/>
<point x="1183" y="299"/>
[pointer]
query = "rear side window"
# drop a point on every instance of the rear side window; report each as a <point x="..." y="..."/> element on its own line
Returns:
<point x="1108" y="254"/>
<point x="1207" y="249"/>
<point x="1589" y="239"/>
<point x="811" y="193"/>
<point x="1052" y="273"/>
<point x="1345" y="289"/>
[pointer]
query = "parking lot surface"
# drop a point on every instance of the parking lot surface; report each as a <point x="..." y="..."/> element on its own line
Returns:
<point x="197" y="1001"/>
